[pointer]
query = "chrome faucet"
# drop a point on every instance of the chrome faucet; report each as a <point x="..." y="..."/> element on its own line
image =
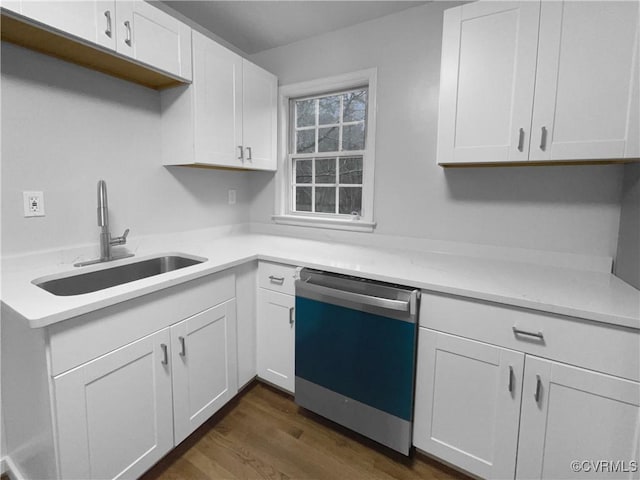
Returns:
<point x="106" y="241"/>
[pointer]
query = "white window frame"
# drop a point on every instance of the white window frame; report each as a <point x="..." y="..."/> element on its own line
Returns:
<point x="284" y="213"/>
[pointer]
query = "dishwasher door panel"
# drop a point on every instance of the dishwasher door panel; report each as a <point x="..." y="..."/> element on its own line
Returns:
<point x="368" y="358"/>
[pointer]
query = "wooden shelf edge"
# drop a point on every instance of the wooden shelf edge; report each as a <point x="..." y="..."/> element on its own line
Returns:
<point x="549" y="163"/>
<point x="29" y="35"/>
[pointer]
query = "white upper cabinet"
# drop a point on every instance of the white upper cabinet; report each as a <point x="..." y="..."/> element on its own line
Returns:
<point x="151" y="36"/>
<point x="487" y="81"/>
<point x="93" y="21"/>
<point x="218" y="103"/>
<point x="539" y="81"/>
<point x="584" y="85"/>
<point x="226" y="118"/>
<point x="259" y="94"/>
<point x="129" y="39"/>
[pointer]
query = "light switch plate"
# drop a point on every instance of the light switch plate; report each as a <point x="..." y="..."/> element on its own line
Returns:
<point x="232" y="197"/>
<point x="33" y="204"/>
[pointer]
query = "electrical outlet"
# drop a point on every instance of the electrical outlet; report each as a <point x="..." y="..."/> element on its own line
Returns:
<point x="232" y="197"/>
<point x="33" y="204"/>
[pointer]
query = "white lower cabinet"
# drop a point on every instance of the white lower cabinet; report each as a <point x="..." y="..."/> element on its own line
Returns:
<point x="570" y="415"/>
<point x="502" y="411"/>
<point x="469" y="403"/>
<point x="276" y="338"/>
<point x="204" y="365"/>
<point x="114" y="414"/>
<point x="275" y="325"/>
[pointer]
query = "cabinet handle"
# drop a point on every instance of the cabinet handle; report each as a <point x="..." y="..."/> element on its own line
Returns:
<point x="127" y="26"/>
<point x="543" y="139"/>
<point x="183" y="350"/>
<point x="241" y="157"/>
<point x="249" y="157"/>
<point x="165" y="354"/>
<point x="536" y="395"/>
<point x="107" y="32"/>
<point x="291" y="310"/>
<point x="521" y="140"/>
<point x="278" y="280"/>
<point x="538" y="334"/>
<point x="510" y="379"/>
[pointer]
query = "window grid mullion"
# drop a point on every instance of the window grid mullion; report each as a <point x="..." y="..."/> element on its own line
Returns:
<point x="313" y="185"/>
<point x="338" y="172"/>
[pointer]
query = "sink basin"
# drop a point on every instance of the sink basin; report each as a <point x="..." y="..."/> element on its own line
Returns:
<point x="110" y="277"/>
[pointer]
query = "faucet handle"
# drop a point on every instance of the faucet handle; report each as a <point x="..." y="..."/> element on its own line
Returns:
<point x="120" y="240"/>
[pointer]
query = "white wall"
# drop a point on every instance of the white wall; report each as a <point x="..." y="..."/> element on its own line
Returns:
<point x="65" y="127"/>
<point x="565" y="209"/>
<point x="627" y="265"/>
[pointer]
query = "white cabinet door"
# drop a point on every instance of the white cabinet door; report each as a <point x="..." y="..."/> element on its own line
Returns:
<point x="217" y="103"/>
<point x="260" y="92"/>
<point x="153" y="37"/>
<point x="571" y="414"/>
<point x="583" y="100"/>
<point x="114" y="414"/>
<point x="204" y="366"/>
<point x="467" y="403"/>
<point x="487" y="82"/>
<point x="90" y="20"/>
<point x="276" y="338"/>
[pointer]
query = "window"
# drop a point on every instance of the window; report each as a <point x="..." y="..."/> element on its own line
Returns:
<point x="327" y="142"/>
<point x="327" y="174"/>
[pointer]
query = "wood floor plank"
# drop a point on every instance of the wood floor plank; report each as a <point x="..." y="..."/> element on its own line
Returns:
<point x="263" y="434"/>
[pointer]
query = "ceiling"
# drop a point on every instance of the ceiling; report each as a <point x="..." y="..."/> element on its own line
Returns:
<point x="254" y="26"/>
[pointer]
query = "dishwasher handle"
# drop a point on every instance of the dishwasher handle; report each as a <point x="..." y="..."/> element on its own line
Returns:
<point x="377" y="302"/>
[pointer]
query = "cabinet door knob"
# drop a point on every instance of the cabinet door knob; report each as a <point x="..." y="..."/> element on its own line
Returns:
<point x="521" y="140"/>
<point x="241" y="157"/>
<point x="538" y="393"/>
<point x="249" y="157"/>
<point x="127" y="26"/>
<point x="183" y="349"/>
<point x="291" y="319"/>
<point x="107" y="32"/>
<point x="165" y="354"/>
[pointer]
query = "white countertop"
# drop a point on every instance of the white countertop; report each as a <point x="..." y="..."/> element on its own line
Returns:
<point x="593" y="296"/>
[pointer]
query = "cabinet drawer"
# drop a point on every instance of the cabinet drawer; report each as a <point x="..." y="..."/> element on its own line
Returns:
<point x="83" y="338"/>
<point x="277" y="277"/>
<point x="604" y="348"/>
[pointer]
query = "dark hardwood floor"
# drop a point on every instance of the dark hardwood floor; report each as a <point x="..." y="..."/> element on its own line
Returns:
<point x="264" y="434"/>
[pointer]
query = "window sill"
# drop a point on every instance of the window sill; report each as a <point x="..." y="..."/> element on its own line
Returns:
<point x="330" y="223"/>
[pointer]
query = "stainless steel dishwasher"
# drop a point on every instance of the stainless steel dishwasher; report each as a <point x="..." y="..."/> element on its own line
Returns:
<point x="355" y="354"/>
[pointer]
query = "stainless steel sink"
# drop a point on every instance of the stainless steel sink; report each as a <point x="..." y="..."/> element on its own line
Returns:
<point x="110" y="277"/>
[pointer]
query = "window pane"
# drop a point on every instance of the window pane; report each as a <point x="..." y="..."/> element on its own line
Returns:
<point x="305" y="141"/>
<point x="303" y="199"/>
<point x="328" y="139"/>
<point x="355" y="106"/>
<point x="326" y="170"/>
<point x="305" y="113"/>
<point x="350" y="200"/>
<point x="326" y="199"/>
<point x="351" y="170"/>
<point x="303" y="171"/>
<point x="329" y="110"/>
<point x="353" y="137"/>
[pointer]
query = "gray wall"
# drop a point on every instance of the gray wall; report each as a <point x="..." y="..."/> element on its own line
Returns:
<point x="565" y="209"/>
<point x="65" y="127"/>
<point x="627" y="264"/>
